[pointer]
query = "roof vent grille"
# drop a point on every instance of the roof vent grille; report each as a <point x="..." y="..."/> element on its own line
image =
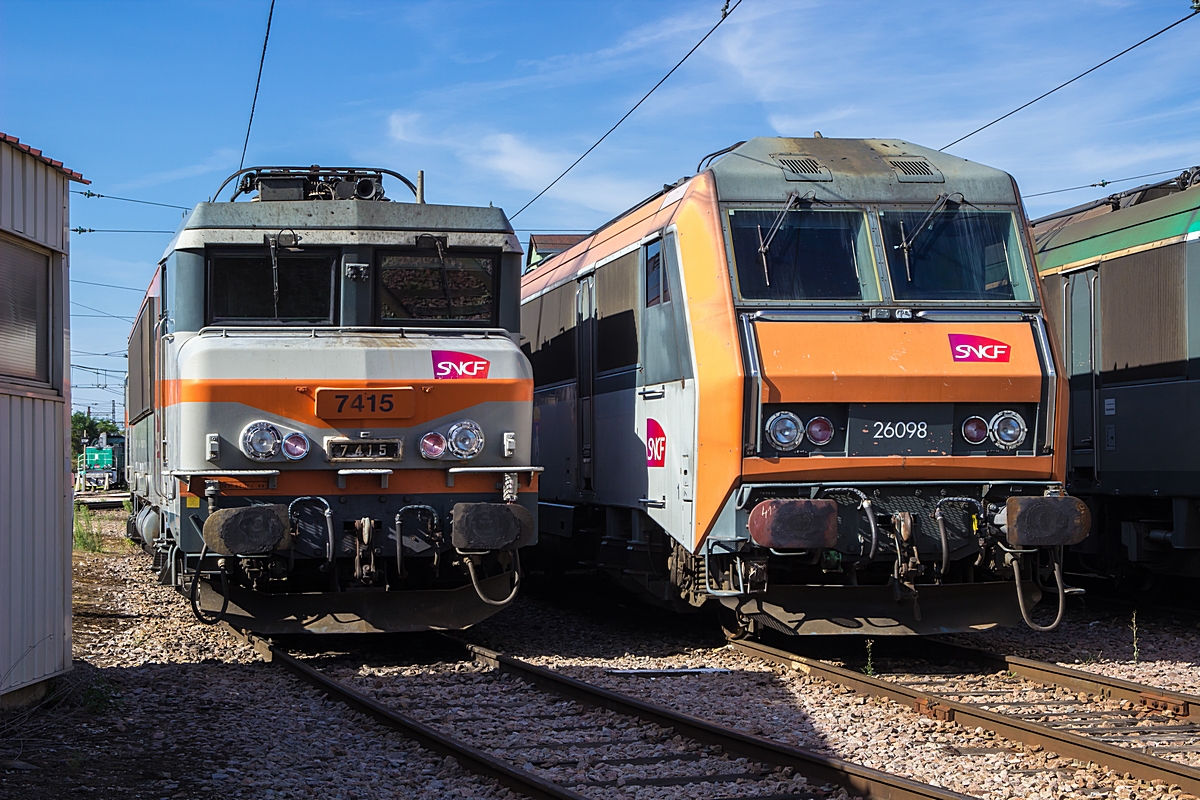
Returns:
<point x="915" y="169"/>
<point x="801" y="165"/>
<point x="798" y="167"/>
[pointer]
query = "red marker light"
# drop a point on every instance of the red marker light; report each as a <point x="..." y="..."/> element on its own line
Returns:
<point x="433" y="444"/>
<point x="819" y="431"/>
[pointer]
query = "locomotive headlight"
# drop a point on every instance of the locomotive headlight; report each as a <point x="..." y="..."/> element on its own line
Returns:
<point x="975" y="430"/>
<point x="261" y="441"/>
<point x="819" y="431"/>
<point x="785" y="430"/>
<point x="295" y="446"/>
<point x="433" y="445"/>
<point x="465" y="439"/>
<point x="1008" y="429"/>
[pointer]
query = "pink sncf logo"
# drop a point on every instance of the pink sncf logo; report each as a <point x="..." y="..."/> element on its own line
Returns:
<point x="656" y="444"/>
<point x="969" y="347"/>
<point x="450" y="366"/>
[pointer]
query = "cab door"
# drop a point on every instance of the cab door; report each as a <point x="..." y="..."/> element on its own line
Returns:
<point x="1081" y="295"/>
<point x="666" y="394"/>
<point x="585" y="321"/>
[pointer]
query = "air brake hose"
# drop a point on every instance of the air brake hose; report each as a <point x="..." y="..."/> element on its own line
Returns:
<point x="194" y="591"/>
<point x="941" y="523"/>
<point x="516" y="582"/>
<point x="864" y="503"/>
<point x="1062" y="592"/>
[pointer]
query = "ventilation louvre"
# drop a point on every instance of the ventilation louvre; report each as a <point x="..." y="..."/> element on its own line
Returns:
<point x="799" y="167"/>
<point x="915" y="169"/>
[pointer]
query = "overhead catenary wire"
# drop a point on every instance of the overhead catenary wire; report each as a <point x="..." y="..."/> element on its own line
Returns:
<point x="726" y="10"/>
<point x="90" y="193"/>
<point x="113" y="230"/>
<point x="99" y="311"/>
<point x="1103" y="183"/>
<point x="257" y="82"/>
<point x="107" y="285"/>
<point x="1195" y="11"/>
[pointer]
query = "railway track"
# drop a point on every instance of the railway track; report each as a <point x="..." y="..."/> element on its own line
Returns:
<point x="546" y="735"/>
<point x="1142" y="731"/>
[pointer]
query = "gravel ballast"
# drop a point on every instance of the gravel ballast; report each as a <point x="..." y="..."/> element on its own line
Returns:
<point x="164" y="707"/>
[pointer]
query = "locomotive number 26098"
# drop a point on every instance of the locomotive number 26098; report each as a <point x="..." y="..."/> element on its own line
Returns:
<point x="900" y="430"/>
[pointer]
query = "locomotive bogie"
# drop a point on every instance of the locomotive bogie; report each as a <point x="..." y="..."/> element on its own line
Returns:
<point x="815" y="366"/>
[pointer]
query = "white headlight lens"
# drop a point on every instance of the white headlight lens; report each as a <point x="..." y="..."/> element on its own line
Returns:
<point x="465" y="439"/>
<point x="261" y="441"/>
<point x="1008" y="429"/>
<point x="295" y="446"/>
<point x="785" y="430"/>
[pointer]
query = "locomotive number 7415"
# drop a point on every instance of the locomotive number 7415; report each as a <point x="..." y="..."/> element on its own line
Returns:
<point x="390" y="402"/>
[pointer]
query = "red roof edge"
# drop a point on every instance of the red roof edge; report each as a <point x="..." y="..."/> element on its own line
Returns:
<point x="58" y="165"/>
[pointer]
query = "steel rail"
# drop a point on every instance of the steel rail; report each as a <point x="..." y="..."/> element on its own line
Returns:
<point x="1182" y="706"/>
<point x="858" y="779"/>
<point x="853" y="777"/>
<point x="1065" y="744"/>
<point x="470" y="758"/>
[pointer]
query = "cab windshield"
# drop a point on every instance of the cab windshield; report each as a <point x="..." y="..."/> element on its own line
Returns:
<point x="813" y="255"/>
<point x="955" y="254"/>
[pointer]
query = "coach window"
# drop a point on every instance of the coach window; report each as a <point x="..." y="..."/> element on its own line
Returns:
<point x="253" y="289"/>
<point x="438" y="288"/>
<point x="140" y="391"/>
<point x="24" y="313"/>
<point x="548" y="323"/>
<point x="616" y="313"/>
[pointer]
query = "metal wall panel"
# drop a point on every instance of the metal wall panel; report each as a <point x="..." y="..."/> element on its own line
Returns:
<point x="35" y="545"/>
<point x="1143" y="315"/>
<point x="35" y="488"/>
<point x="33" y="198"/>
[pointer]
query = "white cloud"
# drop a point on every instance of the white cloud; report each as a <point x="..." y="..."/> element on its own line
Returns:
<point x="224" y="159"/>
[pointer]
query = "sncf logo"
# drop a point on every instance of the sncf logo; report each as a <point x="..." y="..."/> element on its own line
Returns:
<point x="449" y="365"/>
<point x="656" y="444"/>
<point x="968" y="347"/>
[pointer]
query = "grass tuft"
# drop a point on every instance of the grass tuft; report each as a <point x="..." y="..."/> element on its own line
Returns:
<point x="87" y="531"/>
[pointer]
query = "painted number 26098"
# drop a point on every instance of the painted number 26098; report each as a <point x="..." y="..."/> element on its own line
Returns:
<point x="900" y="430"/>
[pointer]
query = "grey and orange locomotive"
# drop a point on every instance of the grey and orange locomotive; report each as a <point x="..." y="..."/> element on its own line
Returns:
<point x="329" y="416"/>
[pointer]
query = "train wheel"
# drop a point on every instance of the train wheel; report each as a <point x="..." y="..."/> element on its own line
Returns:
<point x="734" y="624"/>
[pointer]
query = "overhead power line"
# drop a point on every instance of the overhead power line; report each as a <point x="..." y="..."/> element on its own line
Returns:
<point x="1195" y="11"/>
<point x="111" y="354"/>
<point x="1106" y="183"/>
<point x="108" y="285"/>
<point x="262" y="60"/>
<point x="112" y="230"/>
<point x="100" y="311"/>
<point x="90" y="193"/>
<point x="725" y="12"/>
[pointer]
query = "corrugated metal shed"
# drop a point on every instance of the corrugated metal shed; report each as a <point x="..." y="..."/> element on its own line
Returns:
<point x="35" y="404"/>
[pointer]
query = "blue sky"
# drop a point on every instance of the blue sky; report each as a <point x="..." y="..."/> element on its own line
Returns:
<point x="492" y="99"/>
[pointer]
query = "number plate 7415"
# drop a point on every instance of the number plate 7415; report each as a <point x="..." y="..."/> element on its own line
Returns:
<point x="397" y="402"/>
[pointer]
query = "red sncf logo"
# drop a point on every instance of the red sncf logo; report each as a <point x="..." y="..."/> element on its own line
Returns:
<point x="449" y="365"/>
<point x="969" y="347"/>
<point x="656" y="444"/>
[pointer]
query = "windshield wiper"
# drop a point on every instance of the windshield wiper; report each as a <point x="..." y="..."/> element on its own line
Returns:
<point x="906" y="242"/>
<point x="764" y="245"/>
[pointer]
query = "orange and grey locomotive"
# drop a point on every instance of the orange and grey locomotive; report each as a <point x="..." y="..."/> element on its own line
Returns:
<point x="811" y="385"/>
<point x="329" y="416"/>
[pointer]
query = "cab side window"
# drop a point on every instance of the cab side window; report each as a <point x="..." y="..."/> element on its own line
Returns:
<point x="658" y="287"/>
